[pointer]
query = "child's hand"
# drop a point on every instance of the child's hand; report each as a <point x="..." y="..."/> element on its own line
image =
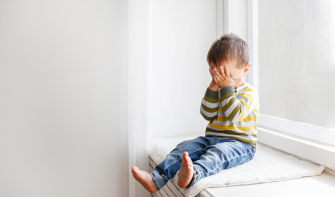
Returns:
<point x="212" y="72"/>
<point x="223" y="79"/>
<point x="213" y="86"/>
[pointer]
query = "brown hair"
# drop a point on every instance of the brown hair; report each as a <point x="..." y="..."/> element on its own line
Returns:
<point x="228" y="48"/>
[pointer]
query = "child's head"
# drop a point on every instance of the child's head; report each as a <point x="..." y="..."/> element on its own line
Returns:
<point x="233" y="52"/>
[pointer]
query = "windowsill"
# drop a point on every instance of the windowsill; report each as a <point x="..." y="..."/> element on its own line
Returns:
<point x="321" y="185"/>
<point x="316" y="153"/>
<point x="325" y="147"/>
<point x="299" y="130"/>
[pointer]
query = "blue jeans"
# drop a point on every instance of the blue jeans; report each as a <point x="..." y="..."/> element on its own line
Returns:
<point x="209" y="155"/>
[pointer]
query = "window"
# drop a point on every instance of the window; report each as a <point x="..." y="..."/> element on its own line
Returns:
<point x="296" y="41"/>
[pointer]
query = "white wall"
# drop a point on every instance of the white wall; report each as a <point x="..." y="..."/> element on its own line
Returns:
<point x="183" y="32"/>
<point x="62" y="98"/>
<point x="64" y="87"/>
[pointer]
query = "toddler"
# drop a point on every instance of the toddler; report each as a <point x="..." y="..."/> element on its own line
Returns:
<point x="231" y="106"/>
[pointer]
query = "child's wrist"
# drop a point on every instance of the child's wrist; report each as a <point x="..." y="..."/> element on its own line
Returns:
<point x="222" y="85"/>
<point x="213" y="86"/>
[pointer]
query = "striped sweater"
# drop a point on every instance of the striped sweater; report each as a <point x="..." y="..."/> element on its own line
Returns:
<point x="230" y="114"/>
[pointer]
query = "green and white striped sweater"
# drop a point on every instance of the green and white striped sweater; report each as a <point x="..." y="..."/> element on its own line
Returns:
<point x="230" y="114"/>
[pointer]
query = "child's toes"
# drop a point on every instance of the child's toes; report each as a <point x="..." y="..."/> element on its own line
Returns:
<point x="185" y="155"/>
<point x="184" y="161"/>
<point x="188" y="161"/>
<point x="134" y="169"/>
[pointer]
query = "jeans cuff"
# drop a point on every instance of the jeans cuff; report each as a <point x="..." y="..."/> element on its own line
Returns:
<point x="158" y="179"/>
<point x="197" y="175"/>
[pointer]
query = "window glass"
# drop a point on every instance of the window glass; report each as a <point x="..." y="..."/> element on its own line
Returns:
<point x="297" y="60"/>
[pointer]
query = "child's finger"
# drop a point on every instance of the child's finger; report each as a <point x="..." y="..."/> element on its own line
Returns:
<point x="216" y="72"/>
<point x="213" y="75"/>
<point x="215" y="79"/>
<point x="222" y="72"/>
<point x="219" y="77"/>
<point x="227" y="71"/>
<point x="210" y="71"/>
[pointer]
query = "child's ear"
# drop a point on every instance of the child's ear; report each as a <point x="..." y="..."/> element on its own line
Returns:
<point x="246" y="69"/>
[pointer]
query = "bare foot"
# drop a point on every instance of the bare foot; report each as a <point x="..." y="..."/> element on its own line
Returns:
<point x="185" y="172"/>
<point x="145" y="179"/>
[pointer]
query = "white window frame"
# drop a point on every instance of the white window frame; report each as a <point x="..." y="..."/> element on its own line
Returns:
<point x="296" y="138"/>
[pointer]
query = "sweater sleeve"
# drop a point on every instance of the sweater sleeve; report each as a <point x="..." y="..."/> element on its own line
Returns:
<point x="210" y="105"/>
<point x="236" y="108"/>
